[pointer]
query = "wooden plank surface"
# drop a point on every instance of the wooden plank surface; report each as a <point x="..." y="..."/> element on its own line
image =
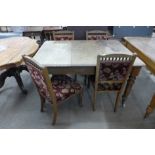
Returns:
<point x="12" y="49"/>
<point x="145" y="49"/>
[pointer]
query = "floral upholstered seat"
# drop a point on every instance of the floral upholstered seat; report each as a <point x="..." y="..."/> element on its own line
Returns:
<point x="56" y="90"/>
<point x="64" y="87"/>
<point x="112" y="72"/>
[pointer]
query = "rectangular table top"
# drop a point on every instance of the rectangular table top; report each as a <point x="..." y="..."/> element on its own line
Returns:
<point x="78" y="52"/>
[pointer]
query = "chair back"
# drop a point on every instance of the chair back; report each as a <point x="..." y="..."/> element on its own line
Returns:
<point x="48" y="35"/>
<point x="41" y="79"/>
<point x="97" y="35"/>
<point x="113" y="70"/>
<point x="63" y="35"/>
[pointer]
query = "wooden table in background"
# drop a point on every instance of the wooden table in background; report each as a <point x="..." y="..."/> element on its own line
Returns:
<point x="145" y="49"/>
<point x="11" y="51"/>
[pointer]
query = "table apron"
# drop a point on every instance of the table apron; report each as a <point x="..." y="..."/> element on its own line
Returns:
<point x="87" y="70"/>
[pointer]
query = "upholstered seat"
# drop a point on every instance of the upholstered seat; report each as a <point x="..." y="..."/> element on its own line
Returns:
<point x="64" y="87"/>
<point x="105" y="86"/>
<point x="56" y="90"/>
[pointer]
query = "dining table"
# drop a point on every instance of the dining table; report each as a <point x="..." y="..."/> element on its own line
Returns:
<point x="11" y="62"/>
<point x="144" y="47"/>
<point x="80" y="57"/>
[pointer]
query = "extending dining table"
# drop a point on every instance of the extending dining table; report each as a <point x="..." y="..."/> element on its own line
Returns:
<point x="145" y="49"/>
<point x="80" y="57"/>
<point x="11" y="63"/>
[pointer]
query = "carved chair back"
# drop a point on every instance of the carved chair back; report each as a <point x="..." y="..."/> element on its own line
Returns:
<point x="97" y="35"/>
<point x="63" y="35"/>
<point x="41" y="79"/>
<point x="112" y="71"/>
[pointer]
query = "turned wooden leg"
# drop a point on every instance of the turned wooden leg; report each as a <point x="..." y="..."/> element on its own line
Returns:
<point x="135" y="72"/>
<point x="55" y="114"/>
<point x="150" y="107"/>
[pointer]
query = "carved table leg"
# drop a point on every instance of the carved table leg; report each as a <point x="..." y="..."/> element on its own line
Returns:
<point x="135" y="72"/>
<point x="14" y="71"/>
<point x="150" y="107"/>
<point x="19" y="81"/>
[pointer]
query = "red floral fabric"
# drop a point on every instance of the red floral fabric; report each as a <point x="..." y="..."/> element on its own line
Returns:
<point x="109" y="86"/>
<point x="39" y="80"/>
<point x="97" y="37"/>
<point x="63" y="38"/>
<point x="64" y="87"/>
<point x="106" y="86"/>
<point x="113" y="70"/>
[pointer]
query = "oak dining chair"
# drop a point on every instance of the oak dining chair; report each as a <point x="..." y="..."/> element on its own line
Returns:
<point x="112" y="72"/>
<point x="56" y="91"/>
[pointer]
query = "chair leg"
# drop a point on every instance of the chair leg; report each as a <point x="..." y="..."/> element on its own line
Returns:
<point x="148" y="111"/>
<point x="42" y="99"/>
<point x="117" y="101"/>
<point x="55" y="114"/>
<point x="94" y="101"/>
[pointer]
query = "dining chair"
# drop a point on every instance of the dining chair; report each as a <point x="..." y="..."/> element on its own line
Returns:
<point x="97" y="35"/>
<point x="112" y="72"/>
<point x="56" y="90"/>
<point x="63" y="35"/>
<point x="48" y="35"/>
